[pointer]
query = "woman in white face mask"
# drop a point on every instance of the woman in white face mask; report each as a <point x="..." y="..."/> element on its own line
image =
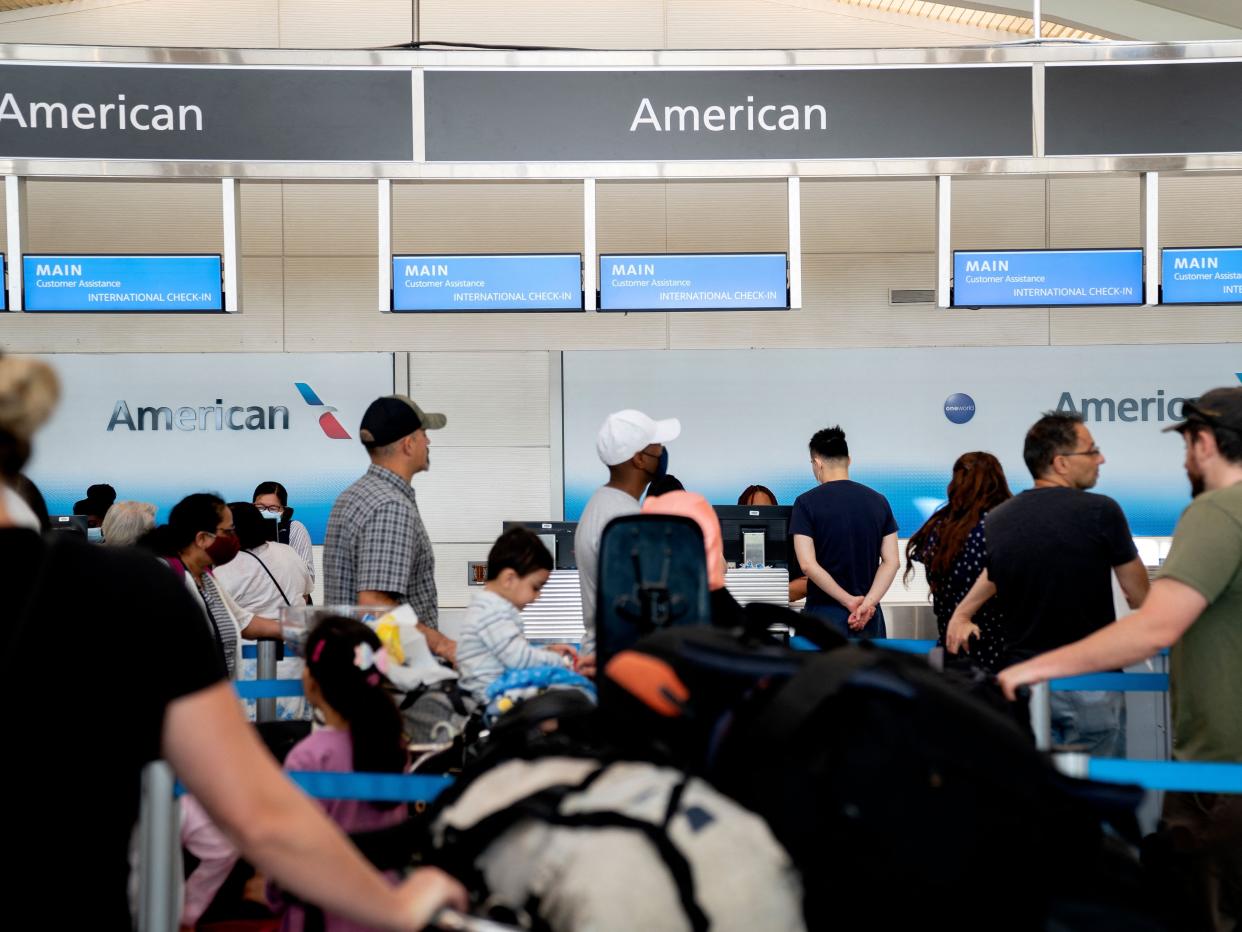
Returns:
<point x="272" y="500"/>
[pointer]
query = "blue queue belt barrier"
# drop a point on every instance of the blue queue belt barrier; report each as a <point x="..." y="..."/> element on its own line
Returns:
<point x="250" y="652"/>
<point x="371" y="787"/>
<point x="365" y="787"/>
<point x="906" y="646"/>
<point x="1178" y="776"/>
<point x="267" y="689"/>
<point x="1114" y="682"/>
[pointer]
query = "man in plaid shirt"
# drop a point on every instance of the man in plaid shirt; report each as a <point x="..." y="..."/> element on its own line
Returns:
<point x="376" y="550"/>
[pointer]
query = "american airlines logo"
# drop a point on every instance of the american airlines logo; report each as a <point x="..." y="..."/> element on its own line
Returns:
<point x="221" y="416"/>
<point x="327" y="419"/>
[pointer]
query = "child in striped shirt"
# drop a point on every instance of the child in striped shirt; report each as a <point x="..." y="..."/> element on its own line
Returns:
<point x="491" y="640"/>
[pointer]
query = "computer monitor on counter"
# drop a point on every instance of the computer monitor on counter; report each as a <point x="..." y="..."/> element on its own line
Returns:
<point x="756" y="535"/>
<point x="558" y="536"/>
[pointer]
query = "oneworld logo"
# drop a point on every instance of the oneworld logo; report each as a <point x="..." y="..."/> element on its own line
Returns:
<point x="327" y="419"/>
<point x="959" y="408"/>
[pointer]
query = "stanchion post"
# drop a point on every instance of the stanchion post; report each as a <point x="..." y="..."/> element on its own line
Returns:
<point x="1072" y="763"/>
<point x="1041" y="715"/>
<point x="265" y="669"/>
<point x="159" y="909"/>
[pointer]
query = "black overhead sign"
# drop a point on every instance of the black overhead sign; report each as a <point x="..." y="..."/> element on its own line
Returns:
<point x="858" y="113"/>
<point x="1188" y="107"/>
<point x="265" y="113"/>
<point x="205" y="113"/>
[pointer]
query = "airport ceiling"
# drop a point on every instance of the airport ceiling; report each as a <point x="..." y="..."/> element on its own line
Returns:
<point x="1225" y="12"/>
<point x="1147" y="20"/>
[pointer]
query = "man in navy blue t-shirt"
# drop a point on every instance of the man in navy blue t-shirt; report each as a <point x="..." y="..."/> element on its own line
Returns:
<point x="845" y="538"/>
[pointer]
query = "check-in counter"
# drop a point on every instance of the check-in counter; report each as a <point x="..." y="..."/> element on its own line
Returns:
<point x="557" y="614"/>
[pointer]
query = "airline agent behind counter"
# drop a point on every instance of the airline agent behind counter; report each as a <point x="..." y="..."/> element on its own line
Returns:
<point x="761" y="495"/>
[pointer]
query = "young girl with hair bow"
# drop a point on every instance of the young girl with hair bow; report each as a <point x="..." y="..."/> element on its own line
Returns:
<point x="344" y="680"/>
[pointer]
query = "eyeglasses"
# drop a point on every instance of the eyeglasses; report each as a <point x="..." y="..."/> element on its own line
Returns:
<point x="1093" y="451"/>
<point x="226" y="531"/>
<point x="272" y="509"/>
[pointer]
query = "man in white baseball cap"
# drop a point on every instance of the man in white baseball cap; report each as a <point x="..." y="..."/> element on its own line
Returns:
<point x="631" y="445"/>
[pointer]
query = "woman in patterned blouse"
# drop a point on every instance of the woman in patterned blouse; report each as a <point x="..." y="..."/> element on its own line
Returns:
<point x="951" y="545"/>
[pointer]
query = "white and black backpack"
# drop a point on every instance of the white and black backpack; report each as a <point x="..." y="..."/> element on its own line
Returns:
<point x="579" y="843"/>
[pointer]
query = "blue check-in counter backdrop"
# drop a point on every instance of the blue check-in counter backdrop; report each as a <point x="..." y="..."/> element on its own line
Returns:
<point x="747" y="416"/>
<point x="159" y="426"/>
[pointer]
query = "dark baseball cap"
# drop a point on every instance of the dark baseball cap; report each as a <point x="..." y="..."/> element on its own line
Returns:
<point x="392" y="417"/>
<point x="1220" y="407"/>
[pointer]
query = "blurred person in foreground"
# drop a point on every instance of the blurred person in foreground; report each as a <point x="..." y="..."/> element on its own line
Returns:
<point x="79" y="601"/>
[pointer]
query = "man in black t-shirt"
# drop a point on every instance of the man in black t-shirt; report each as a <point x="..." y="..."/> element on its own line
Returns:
<point x="845" y="539"/>
<point x="1051" y="554"/>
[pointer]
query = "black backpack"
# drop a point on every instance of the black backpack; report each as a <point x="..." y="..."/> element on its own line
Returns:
<point x="902" y="797"/>
<point x="652" y="575"/>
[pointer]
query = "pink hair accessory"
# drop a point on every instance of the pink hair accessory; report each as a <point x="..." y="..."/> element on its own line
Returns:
<point x="318" y="652"/>
<point x="366" y="658"/>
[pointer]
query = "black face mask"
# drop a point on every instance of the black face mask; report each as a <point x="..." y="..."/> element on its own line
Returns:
<point x="661" y="469"/>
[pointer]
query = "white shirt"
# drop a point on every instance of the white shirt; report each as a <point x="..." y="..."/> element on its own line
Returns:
<point x="20" y="514"/>
<point x="300" y="540"/>
<point x="607" y="503"/>
<point x="250" y="586"/>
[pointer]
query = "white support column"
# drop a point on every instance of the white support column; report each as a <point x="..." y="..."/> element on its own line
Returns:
<point x="1149" y="187"/>
<point x="230" y="192"/>
<point x="556" y="433"/>
<point x="1037" y="16"/>
<point x="1038" y="96"/>
<point x="944" y="244"/>
<point x="401" y="373"/>
<point x="590" y="258"/>
<point x="383" y="293"/>
<point x="15" y="215"/>
<point x="795" y="242"/>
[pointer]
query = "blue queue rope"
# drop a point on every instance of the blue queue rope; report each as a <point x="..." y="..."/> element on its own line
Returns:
<point x="1114" y="682"/>
<point x="904" y="645"/>
<point x="1178" y="776"/>
<point x="371" y="787"/>
<point x="1102" y="682"/>
<point x="267" y="689"/>
<point x="364" y="787"/>
<point x="250" y="652"/>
